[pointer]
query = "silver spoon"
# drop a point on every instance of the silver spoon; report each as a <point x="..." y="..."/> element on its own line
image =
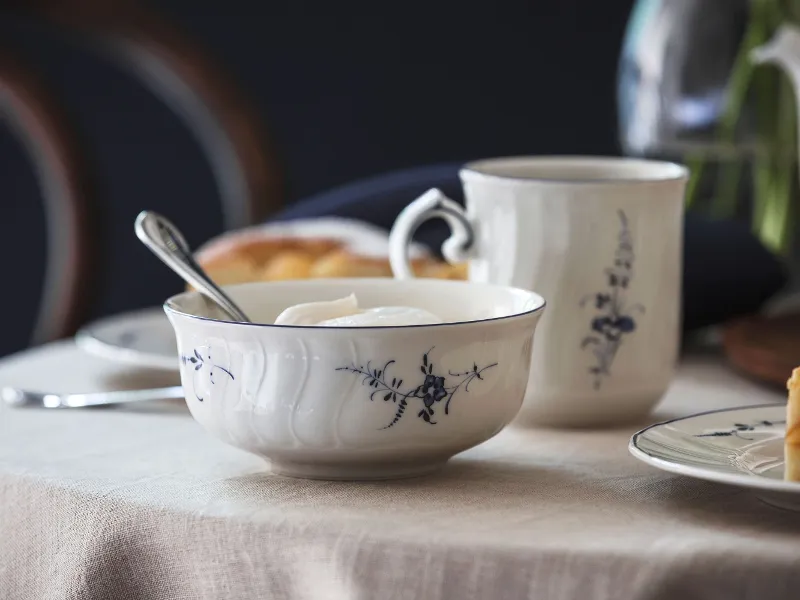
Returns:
<point x="166" y="242"/>
<point x="18" y="397"/>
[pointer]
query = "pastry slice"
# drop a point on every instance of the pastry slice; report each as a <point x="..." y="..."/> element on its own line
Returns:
<point x="310" y="249"/>
<point x="792" y="441"/>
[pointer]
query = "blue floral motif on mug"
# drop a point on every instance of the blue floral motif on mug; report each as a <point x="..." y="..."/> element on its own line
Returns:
<point x="614" y="317"/>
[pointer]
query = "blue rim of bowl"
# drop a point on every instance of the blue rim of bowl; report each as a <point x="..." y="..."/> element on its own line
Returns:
<point x="527" y="313"/>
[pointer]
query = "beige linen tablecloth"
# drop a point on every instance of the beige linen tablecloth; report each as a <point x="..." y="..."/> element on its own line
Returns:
<point x="141" y="503"/>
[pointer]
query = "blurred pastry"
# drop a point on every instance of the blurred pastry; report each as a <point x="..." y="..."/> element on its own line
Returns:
<point x="232" y="268"/>
<point x="792" y="440"/>
<point x="311" y="249"/>
<point x="343" y="263"/>
<point x="288" y="264"/>
<point x="440" y="270"/>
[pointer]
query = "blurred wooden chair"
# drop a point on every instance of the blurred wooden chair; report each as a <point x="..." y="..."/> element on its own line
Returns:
<point x="184" y="78"/>
<point x="44" y="135"/>
<point x="221" y="121"/>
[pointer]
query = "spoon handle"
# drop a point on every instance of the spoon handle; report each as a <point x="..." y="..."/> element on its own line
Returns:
<point x="167" y="242"/>
<point x="18" y="397"/>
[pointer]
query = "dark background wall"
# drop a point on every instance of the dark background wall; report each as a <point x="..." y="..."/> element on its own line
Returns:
<point x="342" y="92"/>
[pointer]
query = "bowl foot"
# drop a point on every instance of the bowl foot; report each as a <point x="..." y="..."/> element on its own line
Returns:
<point x="354" y="471"/>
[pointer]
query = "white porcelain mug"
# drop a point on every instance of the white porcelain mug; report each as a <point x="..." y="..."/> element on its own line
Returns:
<point x="601" y="239"/>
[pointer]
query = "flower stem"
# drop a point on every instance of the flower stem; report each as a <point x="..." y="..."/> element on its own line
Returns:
<point x="765" y="83"/>
<point x="696" y="164"/>
<point x="729" y="175"/>
<point x="774" y="222"/>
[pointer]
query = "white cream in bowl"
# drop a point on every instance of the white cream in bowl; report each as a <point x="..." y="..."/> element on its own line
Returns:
<point x="345" y="312"/>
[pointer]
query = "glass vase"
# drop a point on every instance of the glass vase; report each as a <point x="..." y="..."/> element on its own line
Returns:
<point x="689" y="91"/>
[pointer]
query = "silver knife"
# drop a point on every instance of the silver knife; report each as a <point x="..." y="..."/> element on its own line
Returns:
<point x="26" y="398"/>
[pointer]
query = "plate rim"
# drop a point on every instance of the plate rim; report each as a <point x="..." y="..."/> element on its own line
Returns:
<point x="85" y="339"/>
<point x="742" y="479"/>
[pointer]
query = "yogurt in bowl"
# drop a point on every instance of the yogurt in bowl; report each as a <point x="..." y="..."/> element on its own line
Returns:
<point x="346" y="312"/>
<point x="359" y="378"/>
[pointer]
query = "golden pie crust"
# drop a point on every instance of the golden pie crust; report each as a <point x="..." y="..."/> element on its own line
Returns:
<point x="280" y="258"/>
<point x="792" y="442"/>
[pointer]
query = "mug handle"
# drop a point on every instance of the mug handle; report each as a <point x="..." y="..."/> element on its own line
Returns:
<point x="459" y="247"/>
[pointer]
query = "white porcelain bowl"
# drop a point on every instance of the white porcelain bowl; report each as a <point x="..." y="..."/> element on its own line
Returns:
<point x="359" y="402"/>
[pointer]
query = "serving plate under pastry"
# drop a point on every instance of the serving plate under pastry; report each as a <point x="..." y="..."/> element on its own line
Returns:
<point x="739" y="446"/>
<point x="308" y="248"/>
<point x="142" y="338"/>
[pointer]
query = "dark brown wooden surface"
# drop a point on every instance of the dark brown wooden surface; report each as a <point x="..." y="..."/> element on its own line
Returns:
<point x="764" y="347"/>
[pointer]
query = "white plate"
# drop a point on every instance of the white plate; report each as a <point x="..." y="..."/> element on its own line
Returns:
<point x="141" y="338"/>
<point x="737" y="446"/>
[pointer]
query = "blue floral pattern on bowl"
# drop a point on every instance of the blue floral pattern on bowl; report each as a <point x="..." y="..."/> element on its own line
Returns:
<point x="431" y="391"/>
<point x="201" y="361"/>
<point x="614" y="318"/>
